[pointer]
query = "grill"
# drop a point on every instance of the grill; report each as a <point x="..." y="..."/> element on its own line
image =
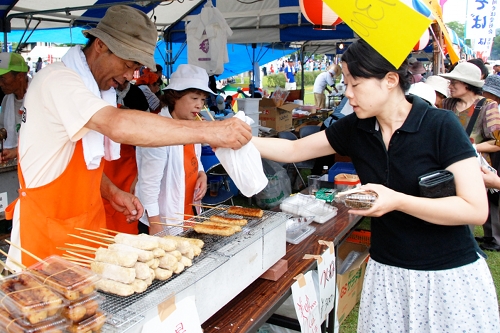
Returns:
<point x="125" y="312"/>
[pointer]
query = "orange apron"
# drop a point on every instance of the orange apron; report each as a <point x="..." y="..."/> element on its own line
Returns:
<point x="191" y="175"/>
<point x="122" y="172"/>
<point x="50" y="212"/>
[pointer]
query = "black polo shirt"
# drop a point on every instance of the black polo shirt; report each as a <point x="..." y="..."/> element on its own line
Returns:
<point x="430" y="139"/>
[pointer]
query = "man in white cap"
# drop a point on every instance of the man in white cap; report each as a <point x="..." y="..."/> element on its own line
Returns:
<point x="322" y="82"/>
<point x="69" y="124"/>
<point x="14" y="84"/>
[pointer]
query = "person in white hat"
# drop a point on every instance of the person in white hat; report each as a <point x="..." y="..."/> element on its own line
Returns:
<point x="423" y="91"/>
<point x="441" y="88"/>
<point x="14" y="83"/>
<point x="72" y="121"/>
<point x="322" y="82"/>
<point x="466" y="92"/>
<point x="171" y="178"/>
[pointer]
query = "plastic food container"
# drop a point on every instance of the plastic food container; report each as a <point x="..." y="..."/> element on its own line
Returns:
<point x="83" y="308"/>
<point x="92" y="324"/>
<point x="321" y="211"/>
<point x="295" y="203"/>
<point x="12" y="325"/>
<point x="358" y="200"/>
<point x="345" y="181"/>
<point x="298" y="229"/>
<point x="69" y="279"/>
<point x="24" y="297"/>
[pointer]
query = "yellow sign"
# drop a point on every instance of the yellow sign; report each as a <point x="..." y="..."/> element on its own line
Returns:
<point x="389" y="26"/>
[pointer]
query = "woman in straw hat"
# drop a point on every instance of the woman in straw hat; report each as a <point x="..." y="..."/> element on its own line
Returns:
<point x="424" y="273"/>
<point x="171" y="178"/>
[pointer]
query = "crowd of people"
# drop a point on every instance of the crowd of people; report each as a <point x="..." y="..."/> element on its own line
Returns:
<point x="81" y="129"/>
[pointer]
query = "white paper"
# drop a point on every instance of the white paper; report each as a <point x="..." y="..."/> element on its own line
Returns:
<point x="326" y="282"/>
<point x="306" y="304"/>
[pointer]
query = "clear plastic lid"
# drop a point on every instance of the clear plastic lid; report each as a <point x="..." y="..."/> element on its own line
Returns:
<point x="84" y="308"/>
<point x="23" y="296"/>
<point x="296" y="223"/>
<point x="67" y="278"/>
<point x="357" y="199"/>
<point x="10" y="324"/>
<point x="92" y="324"/>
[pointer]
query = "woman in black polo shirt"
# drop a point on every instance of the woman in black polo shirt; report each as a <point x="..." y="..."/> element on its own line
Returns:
<point x="424" y="272"/>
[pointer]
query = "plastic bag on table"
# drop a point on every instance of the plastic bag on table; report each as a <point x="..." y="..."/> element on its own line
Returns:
<point x="244" y="165"/>
<point x="278" y="187"/>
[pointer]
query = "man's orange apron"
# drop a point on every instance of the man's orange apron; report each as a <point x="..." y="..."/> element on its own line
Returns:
<point x="49" y="213"/>
<point x="190" y="178"/>
<point x="122" y="172"/>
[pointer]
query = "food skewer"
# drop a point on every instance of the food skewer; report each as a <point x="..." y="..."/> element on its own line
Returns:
<point x="96" y="232"/>
<point x="89" y="240"/>
<point x="74" y="250"/>
<point x="196" y="216"/>
<point x="13" y="260"/>
<point x="114" y="231"/>
<point x="85" y="247"/>
<point x="173" y="225"/>
<point x="70" y="258"/>
<point x="25" y="251"/>
<point x="107" y="239"/>
<point x="205" y="206"/>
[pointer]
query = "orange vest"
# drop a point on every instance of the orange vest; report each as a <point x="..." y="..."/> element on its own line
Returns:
<point x="191" y="175"/>
<point x="122" y="172"/>
<point x="50" y="212"/>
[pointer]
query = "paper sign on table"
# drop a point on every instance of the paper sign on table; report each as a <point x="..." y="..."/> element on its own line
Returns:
<point x="389" y="26"/>
<point x="305" y="301"/>
<point x="326" y="281"/>
<point x="176" y="317"/>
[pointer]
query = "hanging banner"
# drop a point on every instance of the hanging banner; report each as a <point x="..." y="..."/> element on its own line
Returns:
<point x="305" y="301"/>
<point x="390" y="27"/>
<point x="480" y="22"/>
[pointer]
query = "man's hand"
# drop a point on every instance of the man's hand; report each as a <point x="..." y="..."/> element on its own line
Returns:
<point x="127" y="204"/>
<point x="8" y="154"/>
<point x="230" y="133"/>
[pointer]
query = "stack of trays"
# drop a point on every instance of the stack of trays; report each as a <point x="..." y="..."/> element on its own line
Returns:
<point x="77" y="286"/>
<point x="27" y="305"/>
<point x="298" y="229"/>
<point x="305" y="205"/>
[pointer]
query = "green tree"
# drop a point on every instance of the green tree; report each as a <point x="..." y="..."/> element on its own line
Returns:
<point x="459" y="28"/>
<point x="495" y="48"/>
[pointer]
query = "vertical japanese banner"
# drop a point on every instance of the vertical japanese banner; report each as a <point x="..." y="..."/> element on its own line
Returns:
<point x="175" y="317"/>
<point x="305" y="302"/>
<point x="326" y="283"/>
<point x="480" y="25"/>
<point x="389" y="26"/>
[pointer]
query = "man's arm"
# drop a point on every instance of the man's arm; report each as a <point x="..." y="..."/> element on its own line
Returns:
<point x="150" y="130"/>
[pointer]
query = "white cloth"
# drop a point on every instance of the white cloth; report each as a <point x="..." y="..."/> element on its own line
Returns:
<point x="161" y="179"/>
<point x="10" y="118"/>
<point x="322" y="80"/>
<point x="95" y="145"/>
<point x="206" y="36"/>
<point x="461" y="299"/>
<point x="244" y="165"/>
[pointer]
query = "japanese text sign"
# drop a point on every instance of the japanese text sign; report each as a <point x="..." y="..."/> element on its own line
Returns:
<point x="389" y="26"/>
<point x="305" y="301"/>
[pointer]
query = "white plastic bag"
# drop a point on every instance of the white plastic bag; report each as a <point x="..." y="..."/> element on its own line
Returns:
<point x="244" y="165"/>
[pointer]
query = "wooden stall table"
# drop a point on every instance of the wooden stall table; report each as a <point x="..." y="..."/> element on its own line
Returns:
<point x="255" y="305"/>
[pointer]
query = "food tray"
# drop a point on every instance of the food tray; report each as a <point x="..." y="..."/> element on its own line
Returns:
<point x="12" y="325"/>
<point x="359" y="199"/>
<point x="300" y="235"/>
<point x="84" y="308"/>
<point x="295" y="224"/>
<point x="24" y="297"/>
<point x="92" y="324"/>
<point x="294" y="204"/>
<point x="67" y="278"/>
<point x="321" y="211"/>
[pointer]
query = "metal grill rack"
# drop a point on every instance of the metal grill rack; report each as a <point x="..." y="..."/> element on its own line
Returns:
<point x="125" y="312"/>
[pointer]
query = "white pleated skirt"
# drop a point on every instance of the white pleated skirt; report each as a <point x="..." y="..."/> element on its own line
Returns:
<point x="455" y="300"/>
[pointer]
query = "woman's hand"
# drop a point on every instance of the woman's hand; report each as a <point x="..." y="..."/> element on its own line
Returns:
<point x="200" y="189"/>
<point x="385" y="203"/>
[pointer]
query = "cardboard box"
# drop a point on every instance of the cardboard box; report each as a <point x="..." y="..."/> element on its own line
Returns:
<point x="350" y="283"/>
<point x="276" y="117"/>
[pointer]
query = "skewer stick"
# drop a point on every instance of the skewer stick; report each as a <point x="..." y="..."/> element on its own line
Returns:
<point x="209" y="113"/>
<point x="174" y="219"/>
<point x="81" y="264"/>
<point x="196" y="216"/>
<point x="89" y="240"/>
<point x="95" y="232"/>
<point x="204" y="206"/>
<point x="75" y="250"/>
<point x="4" y="265"/>
<point x="76" y="260"/>
<point x="107" y="239"/>
<point x="172" y="225"/>
<point x="90" y="248"/>
<point x="25" y="251"/>
<point x="198" y="117"/>
<point x="80" y="255"/>
<point x="14" y="261"/>
<point x="116" y="232"/>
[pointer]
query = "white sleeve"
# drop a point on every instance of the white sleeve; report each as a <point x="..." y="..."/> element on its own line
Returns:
<point x="151" y="166"/>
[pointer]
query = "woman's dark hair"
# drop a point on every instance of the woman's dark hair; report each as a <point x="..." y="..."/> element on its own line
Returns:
<point x="170" y="96"/>
<point x="480" y="63"/>
<point x="365" y="62"/>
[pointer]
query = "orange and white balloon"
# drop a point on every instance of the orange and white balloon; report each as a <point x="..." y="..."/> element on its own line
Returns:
<point x="319" y="13"/>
